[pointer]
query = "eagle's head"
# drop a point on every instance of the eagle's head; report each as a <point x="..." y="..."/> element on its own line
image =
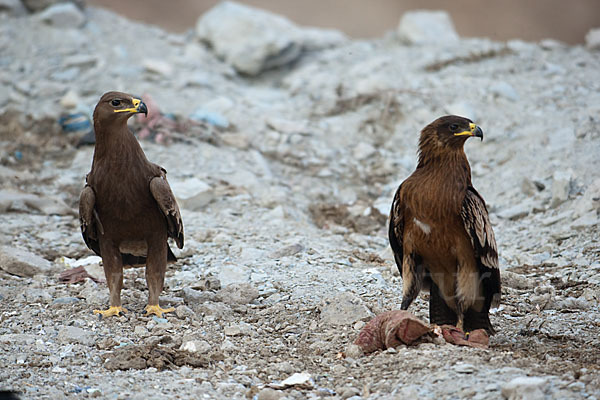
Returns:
<point x="450" y="131"/>
<point x="117" y="106"/>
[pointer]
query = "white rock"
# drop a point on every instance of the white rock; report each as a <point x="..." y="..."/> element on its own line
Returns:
<point x="249" y="39"/>
<point x="587" y="220"/>
<point x="63" y="15"/>
<point x="160" y="67"/>
<point x="504" y="89"/>
<point x="73" y="334"/>
<point x="319" y="38"/>
<point x="12" y="7"/>
<point x="426" y="26"/>
<point x="232" y="273"/>
<point x="592" y="39"/>
<point x="517" y="211"/>
<point x="344" y="309"/>
<point x="590" y="200"/>
<point x="193" y="194"/>
<point x="363" y="151"/>
<point x="21" y="262"/>
<point x="561" y="186"/>
<point x="70" y="99"/>
<point x="524" y="388"/>
<point x="238" y="293"/>
<point x="196" y="346"/>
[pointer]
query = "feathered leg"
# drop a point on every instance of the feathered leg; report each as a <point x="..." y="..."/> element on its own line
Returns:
<point x="113" y="270"/>
<point x="155" y="274"/>
<point x="439" y="312"/>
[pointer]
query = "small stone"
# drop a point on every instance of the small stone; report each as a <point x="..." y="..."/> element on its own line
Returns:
<point x="232" y="330"/>
<point x="192" y="296"/>
<point x="515" y="212"/>
<point x="140" y="330"/>
<point x="21" y="262"/>
<point x="228" y="345"/>
<point x="159" y="320"/>
<point x="39" y="5"/>
<point x="561" y="186"/>
<point x="504" y="89"/>
<point x="63" y="15"/>
<point x="592" y="39"/>
<point x="184" y="312"/>
<point x="525" y="388"/>
<point x="66" y="300"/>
<point x="464" y="368"/>
<point x="70" y="100"/>
<point x="196" y="346"/>
<point x="586" y="221"/>
<point x="159" y="67"/>
<point x="426" y="27"/>
<point x="269" y="394"/>
<point x="238" y="293"/>
<point x="516" y="281"/>
<point x="344" y="309"/>
<point x="73" y="334"/>
<point x="363" y="150"/>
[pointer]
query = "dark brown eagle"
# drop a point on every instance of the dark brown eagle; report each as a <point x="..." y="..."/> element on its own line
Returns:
<point x="127" y="210"/>
<point x="441" y="234"/>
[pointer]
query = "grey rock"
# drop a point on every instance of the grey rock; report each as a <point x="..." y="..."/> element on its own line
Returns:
<point x="12" y="7"/>
<point x="140" y="331"/>
<point x="93" y="293"/>
<point x="269" y="394"/>
<point x="344" y="309"/>
<point x="21" y="262"/>
<point x="504" y="89"/>
<point x="192" y="296"/>
<point x="9" y="200"/>
<point x="73" y="334"/>
<point x="319" y="38"/>
<point x="35" y="295"/>
<point x="287" y="251"/>
<point x="231" y="273"/>
<point x="196" y="346"/>
<point x="524" y="388"/>
<point x="588" y="220"/>
<point x="193" y="194"/>
<point x="516" y="281"/>
<point x="590" y="201"/>
<point x="249" y="39"/>
<point x="66" y="300"/>
<point x="561" y="186"/>
<point x="238" y="293"/>
<point x="184" y="312"/>
<point x="592" y="39"/>
<point x="39" y="5"/>
<point x="63" y="15"/>
<point x="426" y="27"/>
<point x="515" y="212"/>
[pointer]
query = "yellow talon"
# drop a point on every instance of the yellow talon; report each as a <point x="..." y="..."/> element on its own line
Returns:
<point x="111" y="311"/>
<point x="156" y="310"/>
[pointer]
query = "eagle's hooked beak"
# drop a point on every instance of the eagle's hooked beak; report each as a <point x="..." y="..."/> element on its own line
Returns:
<point x="138" y="107"/>
<point x="474" y="130"/>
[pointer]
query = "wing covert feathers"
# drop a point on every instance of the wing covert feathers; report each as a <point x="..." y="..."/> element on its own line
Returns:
<point x="477" y="224"/>
<point x="396" y="229"/>
<point x="161" y="191"/>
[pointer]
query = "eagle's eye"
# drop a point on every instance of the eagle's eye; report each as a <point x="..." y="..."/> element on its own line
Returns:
<point x="453" y="127"/>
<point x="115" y="102"/>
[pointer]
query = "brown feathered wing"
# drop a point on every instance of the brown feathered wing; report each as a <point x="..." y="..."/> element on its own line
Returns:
<point x="88" y="219"/>
<point x="477" y="224"/>
<point x="160" y="189"/>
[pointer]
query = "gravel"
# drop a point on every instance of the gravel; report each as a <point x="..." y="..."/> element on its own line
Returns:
<point x="286" y="251"/>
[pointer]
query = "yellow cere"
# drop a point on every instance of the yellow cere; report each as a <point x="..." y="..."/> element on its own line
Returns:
<point x="136" y="104"/>
<point x="472" y="127"/>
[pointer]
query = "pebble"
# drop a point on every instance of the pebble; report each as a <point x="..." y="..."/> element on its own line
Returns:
<point x="238" y="293"/>
<point x="524" y="388"/>
<point x="184" y="312"/>
<point x="63" y="15"/>
<point x="196" y="346"/>
<point x="73" y="334"/>
<point x="343" y="310"/>
<point x="66" y="300"/>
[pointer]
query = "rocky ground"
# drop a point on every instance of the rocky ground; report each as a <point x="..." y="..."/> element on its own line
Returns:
<point x="286" y="147"/>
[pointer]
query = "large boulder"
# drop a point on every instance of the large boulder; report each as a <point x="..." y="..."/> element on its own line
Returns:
<point x="253" y="40"/>
<point x="426" y="27"/>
